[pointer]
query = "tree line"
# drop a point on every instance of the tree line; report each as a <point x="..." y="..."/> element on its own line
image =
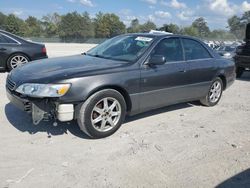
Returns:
<point x="74" y="26"/>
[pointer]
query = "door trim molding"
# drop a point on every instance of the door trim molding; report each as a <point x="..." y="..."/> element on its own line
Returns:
<point x="177" y="87"/>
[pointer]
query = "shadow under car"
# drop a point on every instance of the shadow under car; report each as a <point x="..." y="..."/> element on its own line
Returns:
<point x="241" y="180"/>
<point x="22" y="121"/>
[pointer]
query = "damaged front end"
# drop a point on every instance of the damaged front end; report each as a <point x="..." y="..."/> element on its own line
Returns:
<point x="41" y="109"/>
<point x="46" y="111"/>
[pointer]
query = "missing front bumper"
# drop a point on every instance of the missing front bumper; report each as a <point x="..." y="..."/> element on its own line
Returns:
<point x="43" y="109"/>
<point x="37" y="114"/>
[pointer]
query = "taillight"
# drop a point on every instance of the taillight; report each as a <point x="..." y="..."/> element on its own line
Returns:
<point x="44" y="51"/>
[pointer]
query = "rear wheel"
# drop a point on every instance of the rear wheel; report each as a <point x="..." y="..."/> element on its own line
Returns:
<point x="102" y="114"/>
<point x="214" y="94"/>
<point x="16" y="60"/>
<point x="239" y="72"/>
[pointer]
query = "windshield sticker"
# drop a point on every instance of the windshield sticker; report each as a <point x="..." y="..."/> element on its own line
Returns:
<point x="144" y="39"/>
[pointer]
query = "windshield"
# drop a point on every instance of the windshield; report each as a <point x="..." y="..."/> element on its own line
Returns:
<point x="123" y="48"/>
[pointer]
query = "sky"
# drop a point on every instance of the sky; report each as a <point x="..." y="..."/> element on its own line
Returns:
<point x="181" y="12"/>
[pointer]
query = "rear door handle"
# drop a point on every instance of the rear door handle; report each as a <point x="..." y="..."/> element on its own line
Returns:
<point x="2" y="49"/>
<point x="183" y="71"/>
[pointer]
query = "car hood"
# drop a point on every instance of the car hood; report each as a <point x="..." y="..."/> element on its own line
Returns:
<point x="54" y="69"/>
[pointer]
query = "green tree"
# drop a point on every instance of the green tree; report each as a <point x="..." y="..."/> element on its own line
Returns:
<point x="201" y="25"/>
<point x="108" y="25"/>
<point x="3" y="18"/>
<point x="171" y="28"/>
<point x="87" y="26"/>
<point x="219" y="34"/>
<point x="135" y="26"/>
<point x="34" y="28"/>
<point x="101" y="27"/>
<point x="15" y="25"/>
<point x="50" y="24"/>
<point x="75" y="27"/>
<point x="146" y="27"/>
<point x="191" y="31"/>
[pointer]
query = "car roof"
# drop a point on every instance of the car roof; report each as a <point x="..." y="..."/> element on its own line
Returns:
<point x="161" y="35"/>
<point x="15" y="37"/>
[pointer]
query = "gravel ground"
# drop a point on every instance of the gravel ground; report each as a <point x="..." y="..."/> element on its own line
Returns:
<point x="185" y="145"/>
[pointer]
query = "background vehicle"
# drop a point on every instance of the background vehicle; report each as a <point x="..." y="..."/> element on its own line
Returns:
<point x="226" y="51"/>
<point x="211" y="44"/>
<point x="128" y="74"/>
<point x="242" y="57"/>
<point x="15" y="51"/>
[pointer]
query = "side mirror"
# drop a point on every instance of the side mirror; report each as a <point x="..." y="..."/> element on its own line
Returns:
<point x="157" y="60"/>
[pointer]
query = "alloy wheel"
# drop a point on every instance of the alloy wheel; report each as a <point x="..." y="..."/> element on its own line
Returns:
<point x="106" y="114"/>
<point x="17" y="61"/>
<point x="215" y="92"/>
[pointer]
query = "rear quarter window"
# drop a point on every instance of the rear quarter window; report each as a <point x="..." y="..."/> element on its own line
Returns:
<point x="3" y="39"/>
<point x="6" y="40"/>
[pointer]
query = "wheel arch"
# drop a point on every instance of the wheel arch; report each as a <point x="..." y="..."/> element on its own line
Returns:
<point x="224" y="80"/>
<point x="119" y="89"/>
<point x="22" y="53"/>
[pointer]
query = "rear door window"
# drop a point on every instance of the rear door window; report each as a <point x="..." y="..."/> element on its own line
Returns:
<point x="195" y="50"/>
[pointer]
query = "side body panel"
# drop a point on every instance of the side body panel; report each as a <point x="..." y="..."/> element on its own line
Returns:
<point x="162" y="85"/>
<point x="126" y="80"/>
<point x="200" y="75"/>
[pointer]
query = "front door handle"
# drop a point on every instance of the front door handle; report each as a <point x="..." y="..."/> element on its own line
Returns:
<point x="183" y="71"/>
<point x="2" y="49"/>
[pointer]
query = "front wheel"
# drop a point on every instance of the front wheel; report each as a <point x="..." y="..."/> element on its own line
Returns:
<point x="214" y="94"/>
<point x="102" y="114"/>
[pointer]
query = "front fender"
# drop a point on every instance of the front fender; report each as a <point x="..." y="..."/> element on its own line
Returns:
<point x="83" y="87"/>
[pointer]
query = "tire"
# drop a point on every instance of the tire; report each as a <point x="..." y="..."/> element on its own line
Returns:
<point x="239" y="72"/>
<point x="95" y="120"/>
<point x="217" y="93"/>
<point x="16" y="60"/>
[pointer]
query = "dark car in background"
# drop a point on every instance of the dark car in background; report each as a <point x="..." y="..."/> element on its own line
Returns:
<point x="242" y="57"/>
<point x="126" y="75"/>
<point x="16" y="51"/>
<point x="226" y="51"/>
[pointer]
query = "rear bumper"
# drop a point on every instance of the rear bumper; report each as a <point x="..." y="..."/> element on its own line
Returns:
<point x="39" y="58"/>
<point x="242" y="61"/>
